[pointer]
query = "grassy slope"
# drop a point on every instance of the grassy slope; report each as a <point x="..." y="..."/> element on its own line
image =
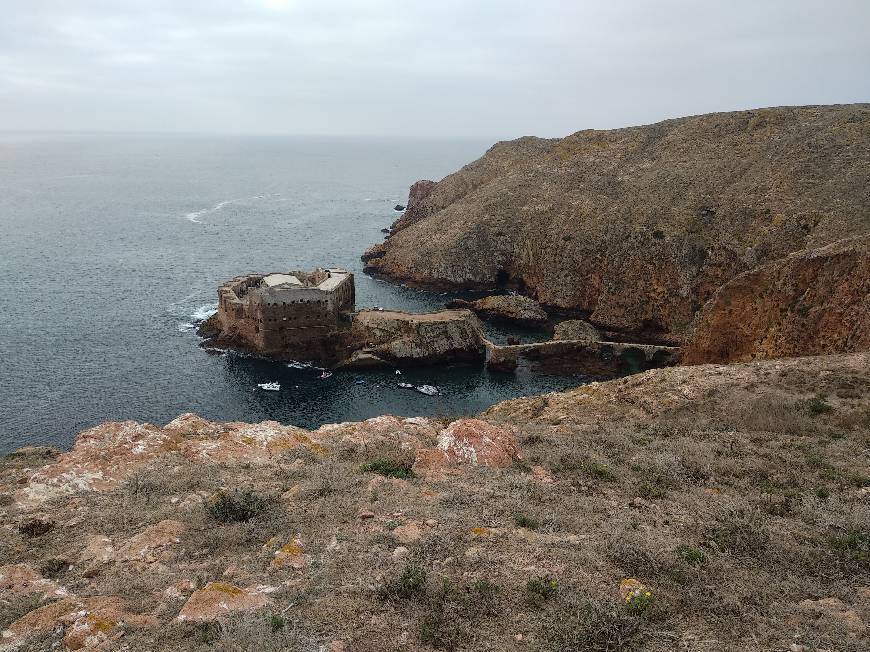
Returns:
<point x="733" y="493"/>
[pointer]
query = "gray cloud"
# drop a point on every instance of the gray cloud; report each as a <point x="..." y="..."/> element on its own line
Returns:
<point x="485" y="68"/>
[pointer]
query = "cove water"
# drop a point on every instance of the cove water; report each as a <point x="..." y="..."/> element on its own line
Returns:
<point x="112" y="246"/>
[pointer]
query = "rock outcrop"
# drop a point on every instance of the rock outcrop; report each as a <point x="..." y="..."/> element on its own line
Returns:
<point x="638" y="227"/>
<point x="415" y="210"/>
<point x="576" y="329"/>
<point x="397" y="338"/>
<point x="350" y="530"/>
<point x="509" y="308"/>
<point x="809" y="303"/>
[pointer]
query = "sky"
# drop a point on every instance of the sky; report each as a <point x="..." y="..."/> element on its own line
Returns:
<point x="445" y="69"/>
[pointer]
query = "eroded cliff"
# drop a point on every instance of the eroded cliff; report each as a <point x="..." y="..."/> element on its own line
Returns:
<point x="809" y="303"/>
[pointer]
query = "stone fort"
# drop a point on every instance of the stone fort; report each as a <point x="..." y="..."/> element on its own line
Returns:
<point x="293" y="313"/>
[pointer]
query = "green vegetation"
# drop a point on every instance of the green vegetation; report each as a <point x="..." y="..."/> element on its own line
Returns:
<point x="389" y="468"/>
<point x="235" y="507"/>
<point x="691" y="555"/>
<point x="540" y="589"/>
<point x="411" y="583"/>
<point x="522" y="520"/>
<point x="815" y="406"/>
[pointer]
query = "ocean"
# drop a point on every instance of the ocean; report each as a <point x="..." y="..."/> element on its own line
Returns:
<point x="113" y="245"/>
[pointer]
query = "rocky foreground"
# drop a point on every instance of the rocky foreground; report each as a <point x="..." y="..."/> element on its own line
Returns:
<point x="637" y="228"/>
<point x="690" y="508"/>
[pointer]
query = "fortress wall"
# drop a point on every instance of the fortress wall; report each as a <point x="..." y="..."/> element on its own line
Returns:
<point x="298" y="323"/>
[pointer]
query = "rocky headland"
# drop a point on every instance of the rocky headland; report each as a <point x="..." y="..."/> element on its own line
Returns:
<point x="700" y="508"/>
<point x="637" y="228"/>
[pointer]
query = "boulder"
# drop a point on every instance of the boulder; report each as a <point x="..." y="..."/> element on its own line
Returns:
<point x="20" y="579"/>
<point x="511" y="308"/>
<point x="88" y="623"/>
<point x="217" y="600"/>
<point x="576" y="329"/>
<point x="401" y="338"/>
<point x="812" y="302"/>
<point x="467" y="442"/>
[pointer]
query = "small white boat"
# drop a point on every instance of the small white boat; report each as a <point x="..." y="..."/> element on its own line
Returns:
<point x="398" y="373"/>
<point x="428" y="390"/>
<point x="406" y="385"/>
<point x="269" y="387"/>
<point x="325" y="375"/>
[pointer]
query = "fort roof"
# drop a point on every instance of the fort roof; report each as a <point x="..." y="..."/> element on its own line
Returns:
<point x="274" y="280"/>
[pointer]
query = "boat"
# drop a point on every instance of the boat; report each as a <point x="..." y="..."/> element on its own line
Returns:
<point x="406" y="385"/>
<point x="428" y="390"/>
<point x="325" y="374"/>
<point x="269" y="387"/>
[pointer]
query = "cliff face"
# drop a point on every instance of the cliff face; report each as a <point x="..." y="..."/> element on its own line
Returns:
<point x="638" y="227"/>
<point x="719" y="489"/>
<point x="809" y="303"/>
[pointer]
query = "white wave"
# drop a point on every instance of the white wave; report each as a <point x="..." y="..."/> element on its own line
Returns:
<point x="204" y="312"/>
<point x="195" y="215"/>
<point x="184" y="328"/>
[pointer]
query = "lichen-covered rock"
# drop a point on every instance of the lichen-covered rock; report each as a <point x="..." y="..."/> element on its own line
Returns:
<point x="401" y="338"/>
<point x="216" y="600"/>
<point x="809" y="303"/>
<point x="87" y="623"/>
<point x="510" y="308"/>
<point x="152" y="540"/>
<point x="576" y="329"/>
<point x="21" y="579"/>
<point x="638" y="227"/>
<point x="468" y="442"/>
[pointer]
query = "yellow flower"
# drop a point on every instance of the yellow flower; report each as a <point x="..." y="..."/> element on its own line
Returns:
<point x="648" y="594"/>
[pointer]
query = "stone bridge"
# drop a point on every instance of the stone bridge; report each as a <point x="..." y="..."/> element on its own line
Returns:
<point x="581" y="356"/>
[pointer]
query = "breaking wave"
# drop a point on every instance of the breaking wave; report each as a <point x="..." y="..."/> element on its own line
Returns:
<point x="194" y="216"/>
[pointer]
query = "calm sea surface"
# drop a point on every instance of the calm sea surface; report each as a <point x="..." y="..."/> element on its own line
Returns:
<point x="111" y="246"/>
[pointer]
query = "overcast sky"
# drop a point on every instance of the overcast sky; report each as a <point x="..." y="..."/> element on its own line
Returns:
<point x="487" y="69"/>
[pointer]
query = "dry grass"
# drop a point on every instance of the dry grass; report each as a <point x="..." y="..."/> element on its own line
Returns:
<point x="746" y="508"/>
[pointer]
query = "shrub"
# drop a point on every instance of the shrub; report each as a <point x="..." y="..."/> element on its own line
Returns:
<point x="600" y="471"/>
<point x="815" y="406"/>
<point x="581" y="625"/>
<point x="740" y="534"/>
<point x="411" y="583"/>
<point x="853" y="544"/>
<point x="525" y="521"/>
<point x="35" y="527"/>
<point x="691" y="555"/>
<point x="235" y="507"/>
<point x="389" y="468"/>
<point x="638" y="603"/>
<point x="540" y="589"/>
<point x="650" y="491"/>
<point x="54" y="567"/>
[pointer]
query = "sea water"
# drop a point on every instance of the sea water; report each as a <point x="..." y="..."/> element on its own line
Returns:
<point x="112" y="247"/>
